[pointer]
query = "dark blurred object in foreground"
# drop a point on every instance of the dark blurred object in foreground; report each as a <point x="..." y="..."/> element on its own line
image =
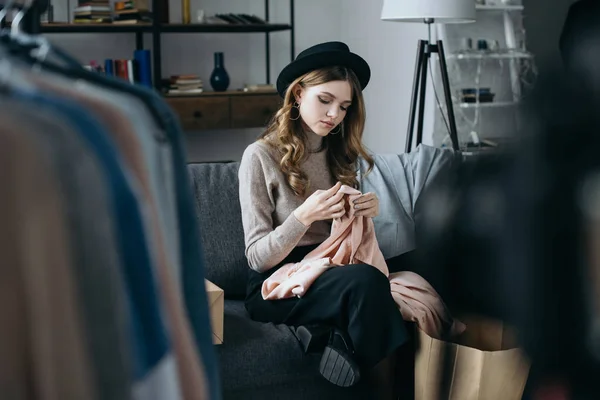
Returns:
<point x="580" y="41"/>
<point x="507" y="238"/>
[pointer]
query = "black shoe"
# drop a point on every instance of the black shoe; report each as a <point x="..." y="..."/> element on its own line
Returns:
<point x="337" y="365"/>
<point x="313" y="338"/>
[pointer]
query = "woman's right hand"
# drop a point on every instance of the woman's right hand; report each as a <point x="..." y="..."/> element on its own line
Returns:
<point x="321" y="205"/>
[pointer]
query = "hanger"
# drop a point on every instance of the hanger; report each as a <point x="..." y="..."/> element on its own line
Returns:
<point x="15" y="30"/>
<point x="8" y="6"/>
<point x="28" y="46"/>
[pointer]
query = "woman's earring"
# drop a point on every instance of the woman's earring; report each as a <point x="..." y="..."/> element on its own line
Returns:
<point x="296" y="106"/>
<point x="340" y="128"/>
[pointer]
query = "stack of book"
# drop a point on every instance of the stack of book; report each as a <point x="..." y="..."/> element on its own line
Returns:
<point x="185" y="84"/>
<point x="92" y="11"/>
<point x="131" y="12"/>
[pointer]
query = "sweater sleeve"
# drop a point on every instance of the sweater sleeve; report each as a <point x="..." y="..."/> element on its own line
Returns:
<point x="266" y="245"/>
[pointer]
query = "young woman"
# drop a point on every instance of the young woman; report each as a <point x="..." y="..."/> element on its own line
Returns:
<point x="289" y="181"/>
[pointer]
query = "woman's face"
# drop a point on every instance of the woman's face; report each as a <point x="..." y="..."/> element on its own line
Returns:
<point x="323" y="107"/>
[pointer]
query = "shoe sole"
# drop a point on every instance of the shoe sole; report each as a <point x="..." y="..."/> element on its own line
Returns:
<point x="311" y="343"/>
<point x="338" y="368"/>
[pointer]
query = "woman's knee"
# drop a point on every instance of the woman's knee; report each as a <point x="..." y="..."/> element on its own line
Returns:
<point x="367" y="278"/>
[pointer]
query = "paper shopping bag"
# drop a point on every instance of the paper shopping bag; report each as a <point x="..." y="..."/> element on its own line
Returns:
<point x="484" y="362"/>
<point x="216" y="305"/>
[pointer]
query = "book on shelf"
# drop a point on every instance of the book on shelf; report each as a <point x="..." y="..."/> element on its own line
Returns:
<point x="92" y="12"/>
<point x="131" y="5"/>
<point x="91" y="8"/>
<point x="132" y="18"/>
<point x="135" y="70"/>
<point x="130" y="22"/>
<point x="101" y="20"/>
<point x="121" y="12"/>
<point x="140" y="10"/>
<point x="185" y="84"/>
<point x="185" y="92"/>
<point x="129" y="12"/>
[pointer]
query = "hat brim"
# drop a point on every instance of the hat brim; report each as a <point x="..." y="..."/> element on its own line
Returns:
<point x="311" y="62"/>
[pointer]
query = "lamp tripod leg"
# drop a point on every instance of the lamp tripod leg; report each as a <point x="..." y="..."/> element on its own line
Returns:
<point x="423" y="89"/>
<point x="447" y="96"/>
<point x="415" y="95"/>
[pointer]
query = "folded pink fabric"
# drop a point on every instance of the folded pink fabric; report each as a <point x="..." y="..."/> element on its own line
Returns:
<point x="419" y="302"/>
<point x="353" y="241"/>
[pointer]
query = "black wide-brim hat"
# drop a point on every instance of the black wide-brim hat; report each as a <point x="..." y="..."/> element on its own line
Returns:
<point x="323" y="55"/>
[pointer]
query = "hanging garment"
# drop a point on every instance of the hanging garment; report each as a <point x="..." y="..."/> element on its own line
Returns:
<point x="154" y="369"/>
<point x="190" y="246"/>
<point x="151" y="144"/>
<point x="43" y="349"/>
<point x="96" y="266"/>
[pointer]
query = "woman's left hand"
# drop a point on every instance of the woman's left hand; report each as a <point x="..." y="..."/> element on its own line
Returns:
<point x="367" y="205"/>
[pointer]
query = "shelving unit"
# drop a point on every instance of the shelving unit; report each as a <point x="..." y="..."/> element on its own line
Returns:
<point x="504" y="68"/>
<point x="157" y="29"/>
<point x="208" y="110"/>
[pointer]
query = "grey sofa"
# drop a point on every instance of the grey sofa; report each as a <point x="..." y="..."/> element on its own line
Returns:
<point x="257" y="360"/>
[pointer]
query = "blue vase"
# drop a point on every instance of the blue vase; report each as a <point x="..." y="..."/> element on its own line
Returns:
<point x="219" y="79"/>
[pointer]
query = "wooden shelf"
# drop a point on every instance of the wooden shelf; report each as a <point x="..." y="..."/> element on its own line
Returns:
<point x="491" y="104"/>
<point x="95" y="28"/>
<point x="165" y="28"/>
<point x="478" y="55"/>
<point x="159" y="26"/>
<point x="224" y="28"/>
<point x="208" y="93"/>
<point x="499" y="7"/>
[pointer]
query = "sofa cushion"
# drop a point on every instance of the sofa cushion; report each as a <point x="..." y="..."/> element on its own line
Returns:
<point x="216" y="190"/>
<point x="258" y="357"/>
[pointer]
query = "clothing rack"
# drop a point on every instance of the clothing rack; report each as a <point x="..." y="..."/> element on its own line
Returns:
<point x="159" y="343"/>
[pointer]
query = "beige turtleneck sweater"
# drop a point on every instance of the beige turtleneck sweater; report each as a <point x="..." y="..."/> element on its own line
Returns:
<point x="271" y="230"/>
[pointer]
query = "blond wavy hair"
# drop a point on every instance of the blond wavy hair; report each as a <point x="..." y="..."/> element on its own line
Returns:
<point x="287" y="136"/>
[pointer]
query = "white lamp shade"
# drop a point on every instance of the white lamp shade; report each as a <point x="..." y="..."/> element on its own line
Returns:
<point x="441" y="11"/>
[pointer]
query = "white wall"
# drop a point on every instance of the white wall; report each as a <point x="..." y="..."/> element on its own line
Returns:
<point x="390" y="48"/>
<point x="192" y="53"/>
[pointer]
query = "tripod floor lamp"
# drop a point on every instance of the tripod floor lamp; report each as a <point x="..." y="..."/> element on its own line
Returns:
<point x="429" y="12"/>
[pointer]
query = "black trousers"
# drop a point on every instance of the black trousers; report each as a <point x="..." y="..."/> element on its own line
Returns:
<point x="355" y="298"/>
